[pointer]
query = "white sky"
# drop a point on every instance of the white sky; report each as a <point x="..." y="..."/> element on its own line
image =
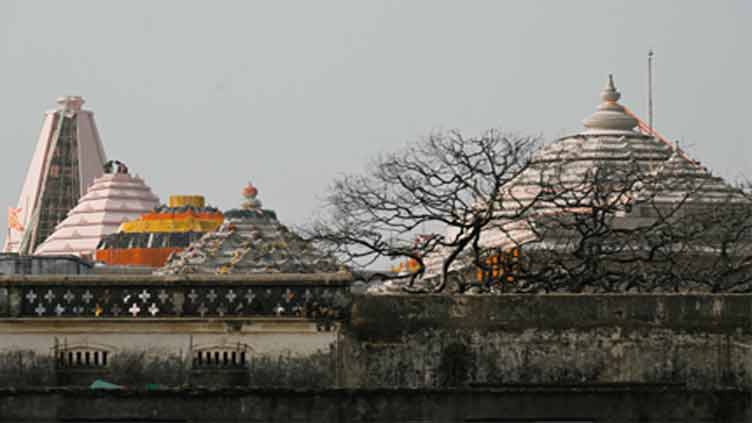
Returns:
<point x="198" y="97"/>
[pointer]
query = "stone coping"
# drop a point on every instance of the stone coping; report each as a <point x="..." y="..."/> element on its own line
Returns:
<point x="293" y="279"/>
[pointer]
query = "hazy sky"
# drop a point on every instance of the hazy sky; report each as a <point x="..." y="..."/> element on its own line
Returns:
<point x="198" y="97"/>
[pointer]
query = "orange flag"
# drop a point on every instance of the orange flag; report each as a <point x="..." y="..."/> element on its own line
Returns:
<point x="13" y="221"/>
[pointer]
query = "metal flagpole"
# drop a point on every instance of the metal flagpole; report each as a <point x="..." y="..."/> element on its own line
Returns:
<point x="650" y="92"/>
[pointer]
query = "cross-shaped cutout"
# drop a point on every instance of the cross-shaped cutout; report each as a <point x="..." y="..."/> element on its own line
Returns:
<point x="163" y="296"/>
<point x="59" y="310"/>
<point x="134" y="310"/>
<point x="250" y="296"/>
<point x="202" y="309"/>
<point x="87" y="296"/>
<point x="31" y="296"/>
<point x="69" y="296"/>
<point x="231" y="296"/>
<point x="193" y="296"/>
<point x="212" y="296"/>
<point x="278" y="310"/>
<point x="49" y="296"/>
<point x="116" y="310"/>
<point x="40" y="309"/>
<point x="144" y="295"/>
<point x="153" y="309"/>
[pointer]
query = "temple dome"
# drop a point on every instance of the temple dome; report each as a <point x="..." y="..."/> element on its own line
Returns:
<point x="608" y="141"/>
<point x="149" y="240"/>
<point x="251" y="240"/>
<point x="112" y="199"/>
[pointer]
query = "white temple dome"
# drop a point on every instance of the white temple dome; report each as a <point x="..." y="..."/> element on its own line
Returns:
<point x="113" y="198"/>
<point x="608" y="141"/>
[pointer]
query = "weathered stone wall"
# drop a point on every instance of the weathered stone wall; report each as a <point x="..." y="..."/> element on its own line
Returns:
<point x="408" y="358"/>
<point x="259" y="330"/>
<point x="696" y="341"/>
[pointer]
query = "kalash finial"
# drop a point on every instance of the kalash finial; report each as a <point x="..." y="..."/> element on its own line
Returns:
<point x="609" y="93"/>
<point x="249" y="193"/>
<point x="610" y="115"/>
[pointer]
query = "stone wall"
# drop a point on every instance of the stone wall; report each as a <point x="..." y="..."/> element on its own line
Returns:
<point x="695" y="341"/>
<point x="521" y="358"/>
<point x="262" y="331"/>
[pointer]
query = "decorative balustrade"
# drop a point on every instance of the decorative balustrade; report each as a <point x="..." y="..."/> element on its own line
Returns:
<point x="320" y="297"/>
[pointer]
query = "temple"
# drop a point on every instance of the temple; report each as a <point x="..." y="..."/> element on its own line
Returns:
<point x="149" y="240"/>
<point x="113" y="199"/>
<point x="251" y="241"/>
<point x="240" y="319"/>
<point x="68" y="156"/>
<point x="615" y="141"/>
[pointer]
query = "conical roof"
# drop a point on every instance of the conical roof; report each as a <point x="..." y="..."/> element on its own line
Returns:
<point x="112" y="199"/>
<point x="611" y="141"/>
<point x="68" y="156"/>
<point x="251" y="240"/>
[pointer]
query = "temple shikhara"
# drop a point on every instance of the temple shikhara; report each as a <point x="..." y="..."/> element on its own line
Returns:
<point x="250" y="241"/>
<point x="112" y="200"/>
<point x="68" y="157"/>
<point x="662" y="176"/>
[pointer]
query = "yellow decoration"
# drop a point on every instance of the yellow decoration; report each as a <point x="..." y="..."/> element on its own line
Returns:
<point x="186" y="224"/>
<point x="98" y="311"/>
<point x="186" y="200"/>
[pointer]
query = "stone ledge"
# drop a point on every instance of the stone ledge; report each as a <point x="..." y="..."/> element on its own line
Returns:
<point x="291" y="279"/>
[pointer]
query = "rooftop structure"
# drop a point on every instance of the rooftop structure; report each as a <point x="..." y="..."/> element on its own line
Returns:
<point x="612" y="138"/>
<point x="149" y="240"/>
<point x="615" y="140"/>
<point x="114" y="198"/>
<point x="251" y="240"/>
<point x="68" y="156"/>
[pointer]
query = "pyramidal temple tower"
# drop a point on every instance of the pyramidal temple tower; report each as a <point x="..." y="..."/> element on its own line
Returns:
<point x="68" y="157"/>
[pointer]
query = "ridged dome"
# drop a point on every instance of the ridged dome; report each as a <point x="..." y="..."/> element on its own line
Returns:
<point x="112" y="199"/>
<point x="251" y="240"/>
<point x="609" y="142"/>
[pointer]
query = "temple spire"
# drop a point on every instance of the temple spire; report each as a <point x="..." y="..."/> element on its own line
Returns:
<point x="610" y="115"/>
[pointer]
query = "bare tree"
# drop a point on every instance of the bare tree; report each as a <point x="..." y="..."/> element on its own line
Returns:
<point x="434" y="198"/>
<point x="618" y="226"/>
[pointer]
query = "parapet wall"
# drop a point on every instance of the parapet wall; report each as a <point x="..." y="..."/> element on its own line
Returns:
<point x="693" y="341"/>
<point x="557" y="357"/>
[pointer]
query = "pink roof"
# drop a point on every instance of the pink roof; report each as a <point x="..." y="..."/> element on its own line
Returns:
<point x="112" y="199"/>
<point x="90" y="159"/>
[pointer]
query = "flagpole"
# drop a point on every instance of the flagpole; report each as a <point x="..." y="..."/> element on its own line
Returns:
<point x="650" y="92"/>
